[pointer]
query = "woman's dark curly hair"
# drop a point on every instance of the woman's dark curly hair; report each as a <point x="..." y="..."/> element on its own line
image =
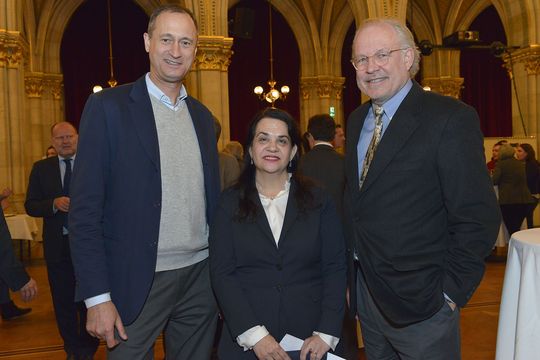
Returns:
<point x="247" y="209"/>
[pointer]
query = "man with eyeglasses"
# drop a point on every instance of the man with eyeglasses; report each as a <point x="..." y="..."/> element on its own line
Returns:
<point x="420" y="211"/>
<point x="48" y="196"/>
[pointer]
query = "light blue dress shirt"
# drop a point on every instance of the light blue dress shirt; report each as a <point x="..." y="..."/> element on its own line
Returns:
<point x="390" y="107"/>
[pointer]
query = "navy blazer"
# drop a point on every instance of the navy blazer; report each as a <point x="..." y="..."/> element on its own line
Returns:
<point x="116" y="194"/>
<point x="44" y="186"/>
<point x="11" y="270"/>
<point x="426" y="215"/>
<point x="296" y="288"/>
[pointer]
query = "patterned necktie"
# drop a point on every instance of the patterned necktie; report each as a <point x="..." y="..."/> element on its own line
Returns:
<point x="67" y="177"/>
<point x="377" y="132"/>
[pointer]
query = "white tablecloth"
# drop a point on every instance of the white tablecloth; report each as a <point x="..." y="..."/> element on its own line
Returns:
<point x="518" y="336"/>
<point x="21" y="227"/>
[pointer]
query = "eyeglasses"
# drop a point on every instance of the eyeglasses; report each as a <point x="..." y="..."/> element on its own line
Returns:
<point x="380" y="58"/>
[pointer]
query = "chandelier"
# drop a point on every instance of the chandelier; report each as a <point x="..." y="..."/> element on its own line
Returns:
<point x="273" y="94"/>
<point x="112" y="81"/>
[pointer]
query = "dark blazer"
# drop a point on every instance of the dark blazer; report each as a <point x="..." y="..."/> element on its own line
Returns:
<point x="510" y="176"/>
<point x="327" y="167"/>
<point x="11" y="270"/>
<point x="427" y="215"/>
<point x="295" y="288"/>
<point x="116" y="194"/>
<point x="44" y="186"/>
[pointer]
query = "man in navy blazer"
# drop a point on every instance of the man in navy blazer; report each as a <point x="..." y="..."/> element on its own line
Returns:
<point x="143" y="192"/>
<point x="425" y="216"/>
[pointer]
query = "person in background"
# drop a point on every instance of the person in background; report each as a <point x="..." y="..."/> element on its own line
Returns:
<point x="51" y="152"/>
<point x="323" y="164"/>
<point x="228" y="165"/>
<point x="12" y="273"/>
<point x="495" y="155"/>
<point x="237" y="150"/>
<point x="48" y="196"/>
<point x="525" y="152"/>
<point x="339" y="139"/>
<point x="277" y="258"/>
<point x="420" y="211"/>
<point x="307" y="142"/>
<point x="145" y="189"/>
<point x="514" y="196"/>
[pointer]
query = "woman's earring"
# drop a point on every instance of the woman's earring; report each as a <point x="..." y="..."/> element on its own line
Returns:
<point x="251" y="161"/>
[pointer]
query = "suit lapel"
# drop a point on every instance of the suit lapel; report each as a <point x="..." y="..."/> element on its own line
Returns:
<point x="402" y="126"/>
<point x="261" y="219"/>
<point x="291" y="212"/>
<point x="54" y="168"/>
<point x="353" y="133"/>
<point x="143" y="120"/>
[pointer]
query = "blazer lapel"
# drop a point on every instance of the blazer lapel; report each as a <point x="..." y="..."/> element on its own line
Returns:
<point x="351" y="155"/>
<point x="261" y="220"/>
<point x="402" y="126"/>
<point x="291" y="212"/>
<point x="143" y="119"/>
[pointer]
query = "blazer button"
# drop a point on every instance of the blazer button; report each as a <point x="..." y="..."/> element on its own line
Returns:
<point x="279" y="267"/>
<point x="278" y="288"/>
<point x="157" y="204"/>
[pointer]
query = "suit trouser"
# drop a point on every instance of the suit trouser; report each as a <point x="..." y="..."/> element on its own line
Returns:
<point x="436" y="338"/>
<point x="4" y="293"/>
<point x="182" y="303"/>
<point x="70" y="315"/>
<point x="513" y="216"/>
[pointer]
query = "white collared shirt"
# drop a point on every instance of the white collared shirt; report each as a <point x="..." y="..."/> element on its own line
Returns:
<point x="160" y="95"/>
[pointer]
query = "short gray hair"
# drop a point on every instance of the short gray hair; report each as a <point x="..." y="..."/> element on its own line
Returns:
<point x="405" y="37"/>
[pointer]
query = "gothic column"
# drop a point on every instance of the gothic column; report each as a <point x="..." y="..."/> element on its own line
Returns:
<point x="445" y="85"/>
<point x="319" y="95"/>
<point x="523" y="66"/>
<point x="208" y="81"/>
<point x="45" y="107"/>
<point x="13" y="127"/>
<point x="440" y="72"/>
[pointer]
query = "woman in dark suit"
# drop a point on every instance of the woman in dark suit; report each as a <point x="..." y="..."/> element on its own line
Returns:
<point x="525" y="152"/>
<point x="277" y="259"/>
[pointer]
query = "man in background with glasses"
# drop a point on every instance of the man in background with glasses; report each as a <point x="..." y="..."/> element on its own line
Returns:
<point x="420" y="210"/>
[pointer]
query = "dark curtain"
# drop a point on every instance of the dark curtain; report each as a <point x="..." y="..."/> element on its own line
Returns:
<point x="250" y="65"/>
<point x="84" y="53"/>
<point x="351" y="93"/>
<point x="486" y="82"/>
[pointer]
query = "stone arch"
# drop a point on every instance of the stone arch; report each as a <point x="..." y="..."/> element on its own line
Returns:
<point x="340" y="29"/>
<point x="300" y="28"/>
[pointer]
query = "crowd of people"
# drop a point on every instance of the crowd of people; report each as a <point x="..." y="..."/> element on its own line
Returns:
<point x="148" y="229"/>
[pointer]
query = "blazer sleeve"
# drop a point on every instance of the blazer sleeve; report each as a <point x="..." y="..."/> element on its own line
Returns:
<point x="334" y="270"/>
<point x="232" y="301"/>
<point x="38" y="203"/>
<point x="472" y="211"/>
<point x="11" y="269"/>
<point x="88" y="187"/>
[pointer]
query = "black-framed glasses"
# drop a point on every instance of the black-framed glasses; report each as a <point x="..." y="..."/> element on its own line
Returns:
<point x="380" y="58"/>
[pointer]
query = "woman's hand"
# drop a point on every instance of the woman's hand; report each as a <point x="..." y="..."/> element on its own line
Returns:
<point x="269" y="349"/>
<point x="315" y="347"/>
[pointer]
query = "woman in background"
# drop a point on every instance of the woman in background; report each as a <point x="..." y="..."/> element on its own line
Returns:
<point x="526" y="153"/>
<point x="277" y="259"/>
<point x="514" y="196"/>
